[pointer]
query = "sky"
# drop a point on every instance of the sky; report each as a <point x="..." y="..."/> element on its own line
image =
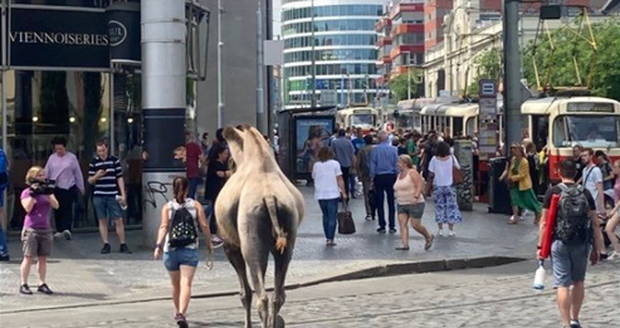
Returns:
<point x="276" y="18"/>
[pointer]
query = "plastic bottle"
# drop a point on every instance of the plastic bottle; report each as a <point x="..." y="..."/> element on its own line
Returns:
<point x="539" y="277"/>
<point x="118" y="199"/>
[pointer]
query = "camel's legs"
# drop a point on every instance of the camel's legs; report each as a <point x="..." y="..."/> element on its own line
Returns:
<point x="257" y="257"/>
<point x="278" y="298"/>
<point x="236" y="259"/>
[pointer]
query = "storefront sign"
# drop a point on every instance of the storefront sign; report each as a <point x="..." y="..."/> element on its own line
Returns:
<point x="58" y="38"/>
<point x="124" y="32"/>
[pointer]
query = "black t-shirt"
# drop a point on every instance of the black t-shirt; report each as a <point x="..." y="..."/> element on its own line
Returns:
<point x="214" y="182"/>
<point x="579" y="166"/>
<point x="556" y="190"/>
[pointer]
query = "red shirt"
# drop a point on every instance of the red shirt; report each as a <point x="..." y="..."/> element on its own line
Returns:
<point x="192" y="153"/>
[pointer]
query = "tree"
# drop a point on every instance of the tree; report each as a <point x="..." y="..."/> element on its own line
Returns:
<point x="606" y="69"/>
<point x="399" y="86"/>
<point x="488" y="65"/>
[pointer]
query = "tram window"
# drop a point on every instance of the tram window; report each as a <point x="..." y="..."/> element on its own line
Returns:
<point x="540" y="129"/>
<point x="471" y="126"/>
<point x="457" y="126"/>
<point x="589" y="131"/>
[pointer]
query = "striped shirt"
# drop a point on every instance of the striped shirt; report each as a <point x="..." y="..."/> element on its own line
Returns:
<point x="107" y="184"/>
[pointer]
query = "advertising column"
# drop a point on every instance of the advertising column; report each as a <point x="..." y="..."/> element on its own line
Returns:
<point x="164" y="72"/>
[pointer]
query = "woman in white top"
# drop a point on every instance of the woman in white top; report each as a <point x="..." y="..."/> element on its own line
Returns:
<point x="444" y="192"/>
<point x="328" y="189"/>
<point x="408" y="189"/>
<point x="180" y="249"/>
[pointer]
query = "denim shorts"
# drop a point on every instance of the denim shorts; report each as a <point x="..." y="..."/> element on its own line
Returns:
<point x="173" y="259"/>
<point x="569" y="263"/>
<point x="107" y="207"/>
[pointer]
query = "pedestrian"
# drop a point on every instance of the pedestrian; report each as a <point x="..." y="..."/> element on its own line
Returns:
<point x="409" y="189"/>
<point x="533" y="160"/>
<point x="412" y="149"/>
<point x="521" y="193"/>
<point x="37" y="240"/>
<point x="577" y="150"/>
<point x="363" y="171"/>
<point x="218" y="172"/>
<point x="178" y="240"/>
<point x="612" y="223"/>
<point x="383" y="171"/>
<point x="193" y="156"/>
<point x="106" y="176"/>
<point x="427" y="155"/>
<point x="593" y="179"/>
<point x="4" y="182"/>
<point x="575" y="227"/>
<point x="441" y="180"/>
<point x="344" y="153"/>
<point x="329" y="187"/>
<point x="219" y="140"/>
<point x="358" y="141"/>
<point x="63" y="168"/>
<point x="204" y="144"/>
<point x="604" y="164"/>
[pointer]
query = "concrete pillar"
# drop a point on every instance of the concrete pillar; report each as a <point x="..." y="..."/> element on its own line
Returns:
<point x="164" y="72"/>
<point x="465" y="190"/>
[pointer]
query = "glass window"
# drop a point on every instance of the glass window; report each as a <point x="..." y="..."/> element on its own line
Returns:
<point x="47" y="104"/>
<point x="593" y="131"/>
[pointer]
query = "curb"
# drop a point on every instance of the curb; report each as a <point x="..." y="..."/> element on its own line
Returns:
<point x="385" y="270"/>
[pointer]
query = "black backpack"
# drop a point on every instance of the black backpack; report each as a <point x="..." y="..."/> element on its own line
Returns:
<point x="182" y="228"/>
<point x="573" y="224"/>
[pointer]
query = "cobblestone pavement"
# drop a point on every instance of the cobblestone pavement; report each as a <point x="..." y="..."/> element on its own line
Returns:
<point x="486" y="298"/>
<point x="80" y="275"/>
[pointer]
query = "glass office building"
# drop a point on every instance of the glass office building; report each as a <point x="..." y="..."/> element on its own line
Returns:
<point x="345" y="52"/>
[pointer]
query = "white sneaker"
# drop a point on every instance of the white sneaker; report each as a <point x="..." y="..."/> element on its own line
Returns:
<point x="613" y="256"/>
<point x="58" y="235"/>
<point x="67" y="234"/>
<point x="452" y="234"/>
<point x="440" y="233"/>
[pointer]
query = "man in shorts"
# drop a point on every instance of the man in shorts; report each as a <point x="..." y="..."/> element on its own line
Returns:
<point x="106" y="176"/>
<point x="570" y="260"/>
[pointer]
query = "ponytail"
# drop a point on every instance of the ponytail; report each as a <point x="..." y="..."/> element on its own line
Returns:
<point x="180" y="187"/>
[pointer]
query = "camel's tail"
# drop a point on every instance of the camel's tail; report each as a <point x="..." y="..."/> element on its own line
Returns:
<point x="272" y="207"/>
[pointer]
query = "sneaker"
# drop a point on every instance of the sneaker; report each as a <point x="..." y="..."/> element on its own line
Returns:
<point x="381" y="230"/>
<point x="124" y="249"/>
<point x="614" y="256"/>
<point x="5" y="258"/>
<point x="67" y="234"/>
<point x="105" y="249"/>
<point x="367" y="218"/>
<point x="392" y="230"/>
<point x="58" y="235"/>
<point x="451" y="233"/>
<point x="217" y="241"/>
<point x="440" y="233"/>
<point x="45" y="289"/>
<point x="25" y="289"/>
<point x="575" y="324"/>
<point x="181" y="321"/>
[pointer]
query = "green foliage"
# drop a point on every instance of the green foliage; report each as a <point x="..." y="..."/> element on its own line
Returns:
<point x="606" y="73"/>
<point x="399" y="86"/>
<point x="488" y="65"/>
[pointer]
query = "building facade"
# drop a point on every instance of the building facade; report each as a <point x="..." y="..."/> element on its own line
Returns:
<point x="344" y="49"/>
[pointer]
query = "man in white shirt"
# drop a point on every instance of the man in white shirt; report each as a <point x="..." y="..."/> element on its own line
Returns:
<point x="593" y="179"/>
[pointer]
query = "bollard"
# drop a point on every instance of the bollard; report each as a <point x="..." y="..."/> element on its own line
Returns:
<point x="465" y="190"/>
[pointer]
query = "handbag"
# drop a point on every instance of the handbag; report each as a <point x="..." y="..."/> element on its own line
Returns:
<point x="346" y="225"/>
<point x="457" y="174"/>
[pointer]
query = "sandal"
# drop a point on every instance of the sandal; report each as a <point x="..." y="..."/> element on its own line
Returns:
<point x="513" y="220"/>
<point x="402" y="248"/>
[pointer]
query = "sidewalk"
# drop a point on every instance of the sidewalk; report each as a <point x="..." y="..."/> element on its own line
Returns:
<point x="81" y="276"/>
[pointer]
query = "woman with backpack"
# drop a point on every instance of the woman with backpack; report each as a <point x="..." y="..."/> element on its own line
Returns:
<point x="177" y="241"/>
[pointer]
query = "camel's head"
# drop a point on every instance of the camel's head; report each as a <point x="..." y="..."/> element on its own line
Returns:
<point x="234" y="138"/>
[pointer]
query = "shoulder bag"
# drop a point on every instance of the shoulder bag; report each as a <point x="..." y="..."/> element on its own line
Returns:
<point x="457" y="174"/>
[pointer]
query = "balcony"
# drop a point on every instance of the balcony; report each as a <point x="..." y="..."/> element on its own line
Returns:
<point x="406" y="49"/>
<point x="382" y="23"/>
<point x="407" y="28"/>
<point x="383" y="41"/>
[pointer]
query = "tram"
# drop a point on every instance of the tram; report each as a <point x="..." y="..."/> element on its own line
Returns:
<point x="562" y="123"/>
<point x="359" y="117"/>
<point x="407" y="114"/>
<point x="455" y="120"/>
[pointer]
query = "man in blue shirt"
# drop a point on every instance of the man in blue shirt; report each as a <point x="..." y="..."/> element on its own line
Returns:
<point x="383" y="171"/>
<point x="345" y="155"/>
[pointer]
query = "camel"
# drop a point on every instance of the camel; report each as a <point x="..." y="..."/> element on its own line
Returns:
<point x="258" y="212"/>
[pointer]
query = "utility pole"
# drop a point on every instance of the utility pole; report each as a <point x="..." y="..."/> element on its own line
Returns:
<point x="220" y="48"/>
<point x="409" y="76"/>
<point x="313" y="56"/>
<point x="260" y="101"/>
<point x="512" y="71"/>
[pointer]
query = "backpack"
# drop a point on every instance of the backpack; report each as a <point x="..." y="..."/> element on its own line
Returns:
<point x="4" y="170"/>
<point x="182" y="228"/>
<point x="572" y="224"/>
